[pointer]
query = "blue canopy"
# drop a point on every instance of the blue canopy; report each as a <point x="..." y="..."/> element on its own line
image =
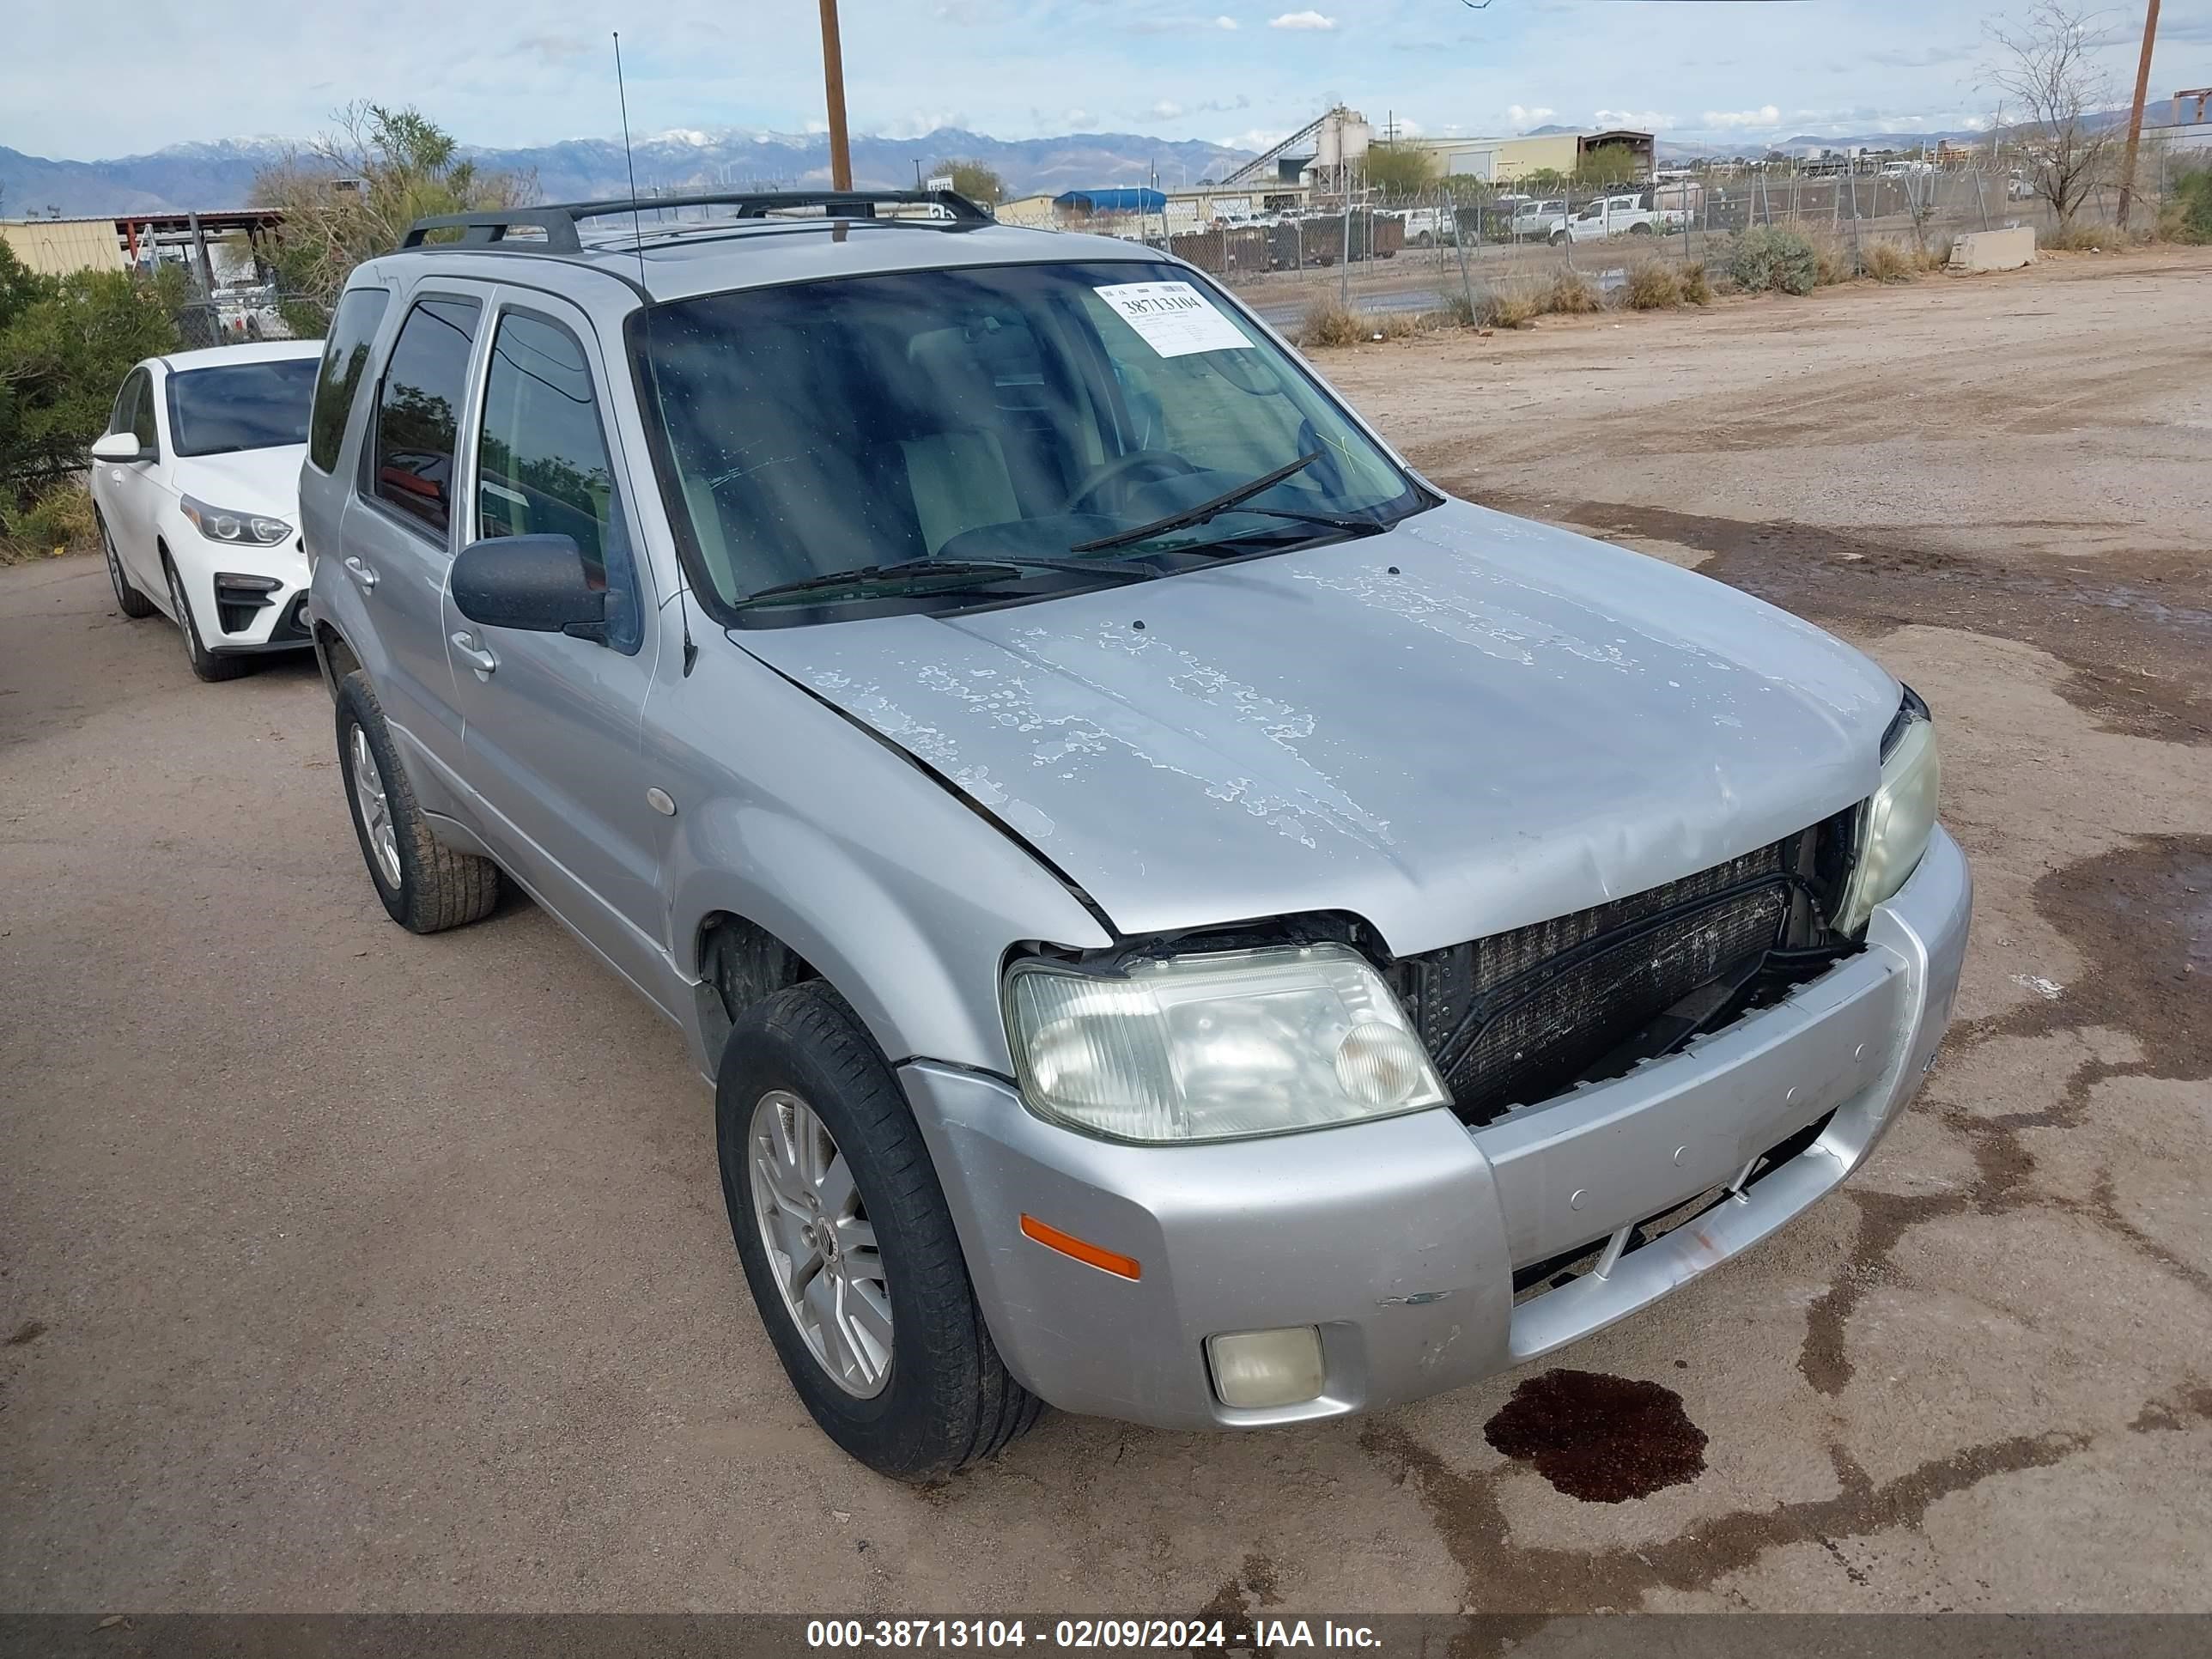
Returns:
<point x="1118" y="199"/>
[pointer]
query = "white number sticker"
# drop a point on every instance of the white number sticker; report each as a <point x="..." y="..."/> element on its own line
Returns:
<point x="1174" y="319"/>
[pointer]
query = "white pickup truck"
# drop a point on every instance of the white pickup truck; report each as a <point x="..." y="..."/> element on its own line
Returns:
<point x="1539" y="221"/>
<point x="1425" y="227"/>
<point x="1629" y="214"/>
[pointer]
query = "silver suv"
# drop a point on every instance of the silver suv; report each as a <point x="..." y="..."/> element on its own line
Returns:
<point x="1183" y="919"/>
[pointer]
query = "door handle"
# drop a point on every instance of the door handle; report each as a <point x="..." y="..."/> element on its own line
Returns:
<point x="360" y="575"/>
<point x="466" y="648"/>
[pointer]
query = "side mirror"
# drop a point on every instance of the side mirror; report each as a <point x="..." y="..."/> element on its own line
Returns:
<point x="535" y="583"/>
<point x="120" y="448"/>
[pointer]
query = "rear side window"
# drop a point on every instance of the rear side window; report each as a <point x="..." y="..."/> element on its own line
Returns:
<point x="345" y="355"/>
<point x="418" y="411"/>
<point x="543" y="466"/>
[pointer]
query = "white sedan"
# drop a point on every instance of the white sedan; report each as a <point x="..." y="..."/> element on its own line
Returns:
<point x="197" y="488"/>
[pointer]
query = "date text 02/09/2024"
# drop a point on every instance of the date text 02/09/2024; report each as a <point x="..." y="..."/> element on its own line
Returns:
<point x="989" y="1634"/>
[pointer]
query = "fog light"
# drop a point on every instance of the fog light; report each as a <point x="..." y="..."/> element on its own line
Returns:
<point x="1266" y="1368"/>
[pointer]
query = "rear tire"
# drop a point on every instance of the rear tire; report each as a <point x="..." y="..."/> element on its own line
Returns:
<point x="936" y="1396"/>
<point x="128" y="599"/>
<point x="205" y="664"/>
<point x="425" y="885"/>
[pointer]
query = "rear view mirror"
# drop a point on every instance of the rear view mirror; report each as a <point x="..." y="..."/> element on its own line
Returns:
<point x="535" y="583"/>
<point x="119" y="449"/>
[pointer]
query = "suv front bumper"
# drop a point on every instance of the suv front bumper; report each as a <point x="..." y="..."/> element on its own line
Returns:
<point x="1399" y="1240"/>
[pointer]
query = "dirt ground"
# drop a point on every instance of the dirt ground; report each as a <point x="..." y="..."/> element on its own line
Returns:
<point x="341" y="1269"/>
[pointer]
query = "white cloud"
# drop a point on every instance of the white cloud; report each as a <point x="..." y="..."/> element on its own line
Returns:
<point x="1166" y="110"/>
<point x="1521" y="116"/>
<point x="1078" y="120"/>
<point x="1646" y="121"/>
<point x="1767" y="115"/>
<point x="1301" y="19"/>
<point x="1224" y="22"/>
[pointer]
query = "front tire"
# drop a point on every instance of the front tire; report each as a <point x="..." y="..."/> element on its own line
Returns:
<point x="128" y="599"/>
<point x="425" y="885"/>
<point x="848" y="1247"/>
<point x="205" y="664"/>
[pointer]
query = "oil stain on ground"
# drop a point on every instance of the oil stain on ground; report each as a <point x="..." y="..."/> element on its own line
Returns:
<point x="1603" y="1439"/>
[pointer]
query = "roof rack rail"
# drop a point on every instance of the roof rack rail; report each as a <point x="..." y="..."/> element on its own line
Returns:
<point x="556" y="226"/>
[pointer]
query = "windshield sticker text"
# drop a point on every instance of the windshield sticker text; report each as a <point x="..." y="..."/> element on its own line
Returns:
<point x="1174" y="319"/>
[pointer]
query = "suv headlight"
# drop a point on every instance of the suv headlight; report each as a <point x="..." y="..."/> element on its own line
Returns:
<point x="1899" y="816"/>
<point x="220" y="524"/>
<point x="1218" y="1047"/>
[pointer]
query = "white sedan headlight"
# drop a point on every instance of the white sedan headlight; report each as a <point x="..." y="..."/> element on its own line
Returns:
<point x="1216" y="1048"/>
<point x="220" y="524"/>
<point x="1899" y="819"/>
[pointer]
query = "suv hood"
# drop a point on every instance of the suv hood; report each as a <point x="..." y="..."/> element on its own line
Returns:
<point x="1514" y="723"/>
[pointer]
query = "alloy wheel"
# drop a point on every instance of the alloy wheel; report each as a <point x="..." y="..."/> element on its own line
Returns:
<point x="184" y="617"/>
<point x="375" y="805"/>
<point x="820" y="1245"/>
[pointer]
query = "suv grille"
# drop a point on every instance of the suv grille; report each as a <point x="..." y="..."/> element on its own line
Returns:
<point x="1518" y="1016"/>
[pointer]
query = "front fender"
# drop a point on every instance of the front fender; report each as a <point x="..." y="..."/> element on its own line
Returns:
<point x="896" y="891"/>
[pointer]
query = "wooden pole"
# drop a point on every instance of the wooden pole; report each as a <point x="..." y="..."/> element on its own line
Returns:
<point x="2134" y="116"/>
<point x="833" y="82"/>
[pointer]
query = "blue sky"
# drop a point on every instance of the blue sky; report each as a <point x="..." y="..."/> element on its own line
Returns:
<point x="508" y="72"/>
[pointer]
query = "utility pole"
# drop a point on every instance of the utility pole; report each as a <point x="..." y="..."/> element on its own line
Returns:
<point x="833" y="82"/>
<point x="2134" y="116"/>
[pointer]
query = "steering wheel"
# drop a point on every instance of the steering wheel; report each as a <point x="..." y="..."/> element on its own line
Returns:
<point x="1126" y="466"/>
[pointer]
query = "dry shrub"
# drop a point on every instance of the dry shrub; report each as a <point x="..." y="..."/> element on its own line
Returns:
<point x="1833" y="261"/>
<point x="1885" y="262"/>
<point x="2090" y="239"/>
<point x="1936" y="253"/>
<point x="1572" y="295"/>
<point x="59" y="518"/>
<point x="1390" y="325"/>
<point x="1697" y="288"/>
<point x="1330" y="323"/>
<point x="1512" y="307"/>
<point x="1651" y="286"/>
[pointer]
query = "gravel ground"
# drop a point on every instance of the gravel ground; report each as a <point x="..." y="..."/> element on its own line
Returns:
<point x="341" y="1269"/>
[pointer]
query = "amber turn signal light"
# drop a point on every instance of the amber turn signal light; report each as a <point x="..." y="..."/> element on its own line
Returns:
<point x="1052" y="1238"/>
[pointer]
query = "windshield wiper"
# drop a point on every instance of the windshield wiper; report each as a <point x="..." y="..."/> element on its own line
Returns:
<point x="1203" y="510"/>
<point x="906" y="567"/>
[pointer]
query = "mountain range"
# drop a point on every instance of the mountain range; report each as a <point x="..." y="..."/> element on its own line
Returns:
<point x="209" y="176"/>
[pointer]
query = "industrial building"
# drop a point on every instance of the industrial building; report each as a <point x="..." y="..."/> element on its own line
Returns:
<point x="1504" y="161"/>
<point x="205" y="241"/>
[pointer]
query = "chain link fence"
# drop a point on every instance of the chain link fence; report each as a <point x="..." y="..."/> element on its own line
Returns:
<point x="1443" y="248"/>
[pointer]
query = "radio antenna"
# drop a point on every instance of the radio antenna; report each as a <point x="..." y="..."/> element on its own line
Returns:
<point x="637" y="238"/>
<point x="629" y="162"/>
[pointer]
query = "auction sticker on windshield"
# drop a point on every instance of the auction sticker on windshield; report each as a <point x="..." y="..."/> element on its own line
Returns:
<point x="1174" y="319"/>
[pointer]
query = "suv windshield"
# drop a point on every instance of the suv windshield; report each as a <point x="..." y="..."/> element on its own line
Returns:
<point x="241" y="405"/>
<point x="883" y="426"/>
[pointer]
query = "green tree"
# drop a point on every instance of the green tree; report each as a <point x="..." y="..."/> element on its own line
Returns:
<point x="974" y="179"/>
<point x="62" y="357"/>
<point x="352" y="194"/>
<point x="1607" y="166"/>
<point x="1543" y="181"/>
<point x="1401" y="171"/>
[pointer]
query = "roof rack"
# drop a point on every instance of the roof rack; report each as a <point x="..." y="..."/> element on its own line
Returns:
<point x="556" y="225"/>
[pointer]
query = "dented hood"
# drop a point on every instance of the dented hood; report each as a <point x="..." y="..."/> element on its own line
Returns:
<point x="1513" y="723"/>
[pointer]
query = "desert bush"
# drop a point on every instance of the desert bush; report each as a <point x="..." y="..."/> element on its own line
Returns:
<point x="1833" y="260"/>
<point x="1652" y="285"/>
<point x="1329" y="323"/>
<point x="58" y="519"/>
<point x="1571" y="294"/>
<point x="1936" y="253"/>
<point x="1773" y="258"/>
<point x="1507" y="307"/>
<point x="2187" y="216"/>
<point x="1885" y="262"/>
<point x="1697" y="288"/>
<point x="2090" y="239"/>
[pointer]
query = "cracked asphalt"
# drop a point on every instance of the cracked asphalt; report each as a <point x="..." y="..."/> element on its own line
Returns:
<point x="345" y="1270"/>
